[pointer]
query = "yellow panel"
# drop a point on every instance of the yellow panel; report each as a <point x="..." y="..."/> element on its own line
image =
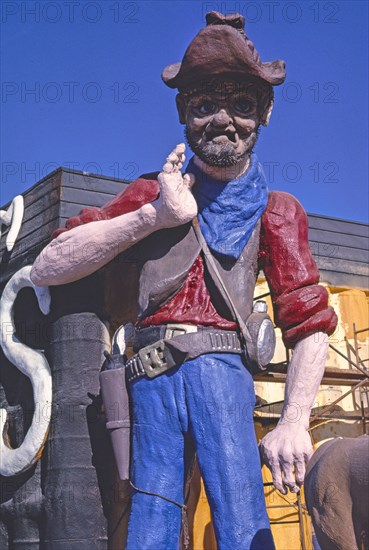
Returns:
<point x="201" y="530"/>
<point x="354" y="309"/>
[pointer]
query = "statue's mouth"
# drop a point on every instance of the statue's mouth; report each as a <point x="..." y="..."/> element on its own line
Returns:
<point x="223" y="136"/>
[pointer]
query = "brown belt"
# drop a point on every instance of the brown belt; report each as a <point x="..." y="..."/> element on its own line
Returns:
<point x="168" y="346"/>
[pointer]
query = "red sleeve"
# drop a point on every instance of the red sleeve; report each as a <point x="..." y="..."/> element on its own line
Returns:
<point x="300" y="304"/>
<point x="142" y="191"/>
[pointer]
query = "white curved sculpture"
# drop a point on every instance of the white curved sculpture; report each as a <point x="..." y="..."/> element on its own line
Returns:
<point x="33" y="364"/>
<point x="13" y="217"/>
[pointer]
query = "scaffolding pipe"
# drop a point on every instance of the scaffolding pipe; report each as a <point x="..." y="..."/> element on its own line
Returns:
<point x="349" y="360"/>
<point x="329" y="407"/>
<point x="301" y="522"/>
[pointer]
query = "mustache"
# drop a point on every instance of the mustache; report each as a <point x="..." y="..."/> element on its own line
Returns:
<point x="220" y="155"/>
<point x="211" y="134"/>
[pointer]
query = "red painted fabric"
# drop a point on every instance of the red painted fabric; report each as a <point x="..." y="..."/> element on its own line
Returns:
<point x="191" y="304"/>
<point x="300" y="304"/>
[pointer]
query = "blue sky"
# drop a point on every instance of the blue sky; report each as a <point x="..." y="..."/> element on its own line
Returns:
<point x="81" y="87"/>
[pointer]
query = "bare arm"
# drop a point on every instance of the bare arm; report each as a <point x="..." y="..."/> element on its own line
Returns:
<point x="85" y="249"/>
<point x="288" y="447"/>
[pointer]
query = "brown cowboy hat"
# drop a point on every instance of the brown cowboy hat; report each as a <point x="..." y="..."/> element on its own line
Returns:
<point x="222" y="49"/>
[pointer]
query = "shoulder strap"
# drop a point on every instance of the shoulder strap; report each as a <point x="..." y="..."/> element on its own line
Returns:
<point x="214" y="272"/>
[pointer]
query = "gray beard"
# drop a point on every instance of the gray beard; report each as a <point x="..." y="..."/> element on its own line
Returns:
<point x="220" y="155"/>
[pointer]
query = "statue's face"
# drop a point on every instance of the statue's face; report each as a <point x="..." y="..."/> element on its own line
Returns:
<point x="222" y="126"/>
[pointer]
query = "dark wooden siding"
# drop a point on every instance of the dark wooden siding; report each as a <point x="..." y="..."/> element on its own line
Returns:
<point x="341" y="250"/>
<point x="340" y="247"/>
<point x="48" y="204"/>
<point x="41" y="215"/>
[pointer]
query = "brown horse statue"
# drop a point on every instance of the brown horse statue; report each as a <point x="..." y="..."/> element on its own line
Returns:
<point x="337" y="493"/>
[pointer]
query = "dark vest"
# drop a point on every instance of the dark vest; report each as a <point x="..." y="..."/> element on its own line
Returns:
<point x="165" y="258"/>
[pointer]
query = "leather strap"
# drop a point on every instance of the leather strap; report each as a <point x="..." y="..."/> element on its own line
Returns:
<point x="213" y="270"/>
<point x="147" y="336"/>
<point x="160" y="356"/>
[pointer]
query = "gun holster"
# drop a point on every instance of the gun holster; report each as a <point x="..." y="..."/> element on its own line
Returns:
<point x="116" y="402"/>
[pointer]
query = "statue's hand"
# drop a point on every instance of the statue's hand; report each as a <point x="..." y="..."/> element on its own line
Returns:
<point x="285" y="451"/>
<point x="176" y="204"/>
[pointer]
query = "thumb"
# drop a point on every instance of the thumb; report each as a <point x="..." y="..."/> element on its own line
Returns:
<point x="189" y="180"/>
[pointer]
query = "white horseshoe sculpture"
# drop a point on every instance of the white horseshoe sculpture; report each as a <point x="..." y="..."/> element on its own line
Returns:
<point x="13" y="217"/>
<point x="34" y="365"/>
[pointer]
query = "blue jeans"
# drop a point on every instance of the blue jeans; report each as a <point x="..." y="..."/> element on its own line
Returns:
<point x="209" y="399"/>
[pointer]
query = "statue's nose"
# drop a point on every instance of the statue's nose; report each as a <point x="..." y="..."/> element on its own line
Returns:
<point x="221" y="119"/>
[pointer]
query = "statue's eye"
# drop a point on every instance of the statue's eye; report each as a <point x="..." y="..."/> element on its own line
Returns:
<point x="243" y="107"/>
<point x="206" y="108"/>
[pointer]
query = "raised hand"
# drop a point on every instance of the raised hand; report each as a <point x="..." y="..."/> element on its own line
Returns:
<point x="176" y="204"/>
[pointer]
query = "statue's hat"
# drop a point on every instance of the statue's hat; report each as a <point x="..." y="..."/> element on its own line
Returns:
<point x="222" y="49"/>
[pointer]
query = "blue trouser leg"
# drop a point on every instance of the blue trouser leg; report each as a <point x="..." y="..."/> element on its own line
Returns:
<point x="157" y="463"/>
<point x="212" y="398"/>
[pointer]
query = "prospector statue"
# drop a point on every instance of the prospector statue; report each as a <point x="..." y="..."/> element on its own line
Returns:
<point x="200" y="239"/>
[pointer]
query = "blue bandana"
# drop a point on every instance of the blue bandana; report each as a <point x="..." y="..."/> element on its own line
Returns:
<point x="228" y="212"/>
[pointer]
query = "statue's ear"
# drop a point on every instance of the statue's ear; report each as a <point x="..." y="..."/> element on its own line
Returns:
<point x="181" y="108"/>
<point x="267" y="107"/>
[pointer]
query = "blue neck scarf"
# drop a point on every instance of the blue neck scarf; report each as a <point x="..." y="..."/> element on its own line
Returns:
<point x="228" y="212"/>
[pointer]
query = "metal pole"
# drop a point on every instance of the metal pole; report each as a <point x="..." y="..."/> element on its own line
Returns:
<point x="356" y="349"/>
<point x="262" y="296"/>
<point x="351" y="362"/>
<point x="362" y="330"/>
<point x="301" y="522"/>
<point x="329" y="407"/>
<point x="363" y="421"/>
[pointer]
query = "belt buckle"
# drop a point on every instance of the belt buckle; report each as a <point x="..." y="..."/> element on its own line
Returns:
<point x="156" y="359"/>
<point x="178" y="329"/>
